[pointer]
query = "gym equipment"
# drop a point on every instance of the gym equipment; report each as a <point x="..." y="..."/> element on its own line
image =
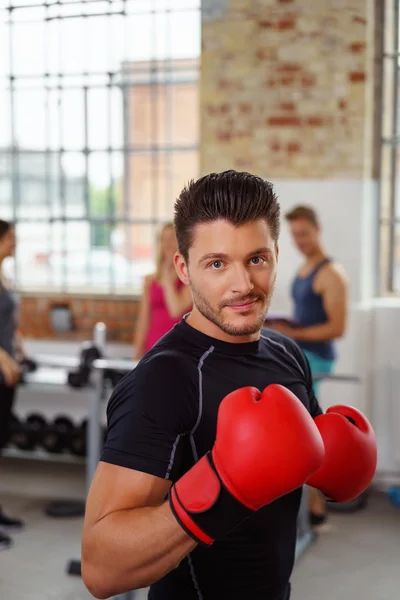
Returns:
<point x="28" y="434"/>
<point x="80" y="377"/>
<point x="77" y="441"/>
<point x="57" y="436"/>
<point x="27" y="365"/>
<point x="113" y="377"/>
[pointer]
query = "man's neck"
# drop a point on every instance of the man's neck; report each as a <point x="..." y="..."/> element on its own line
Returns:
<point x="315" y="258"/>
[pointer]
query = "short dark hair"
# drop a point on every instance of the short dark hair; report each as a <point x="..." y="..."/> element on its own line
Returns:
<point x="237" y="197"/>
<point x="303" y="212"/>
<point x="5" y="227"/>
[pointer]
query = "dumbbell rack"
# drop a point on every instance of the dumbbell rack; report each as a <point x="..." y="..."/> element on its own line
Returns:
<point x="49" y="381"/>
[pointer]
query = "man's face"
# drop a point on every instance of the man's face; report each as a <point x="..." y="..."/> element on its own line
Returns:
<point x="231" y="271"/>
<point x="305" y="236"/>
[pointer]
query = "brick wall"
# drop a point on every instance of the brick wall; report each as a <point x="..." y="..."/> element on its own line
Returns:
<point x="283" y="88"/>
<point x="119" y="316"/>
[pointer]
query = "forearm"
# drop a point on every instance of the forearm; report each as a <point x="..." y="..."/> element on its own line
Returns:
<point x="317" y="333"/>
<point x="131" y="549"/>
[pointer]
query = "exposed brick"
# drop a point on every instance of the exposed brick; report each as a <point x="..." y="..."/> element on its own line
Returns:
<point x="286" y="81"/>
<point x="308" y="81"/>
<point x="224" y="136"/>
<point x="289" y="68"/>
<point x="265" y="24"/>
<point x="245" y="108"/>
<point x="284" y="121"/>
<point x="315" y="121"/>
<point x="357" y="47"/>
<point x="266" y="53"/>
<point x="293" y="147"/>
<point x="297" y="69"/>
<point x="357" y="77"/>
<point x="285" y="24"/>
<point x="289" y="106"/>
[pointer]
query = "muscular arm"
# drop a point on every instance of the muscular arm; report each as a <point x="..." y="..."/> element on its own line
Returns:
<point x="130" y="536"/>
<point x="334" y="296"/>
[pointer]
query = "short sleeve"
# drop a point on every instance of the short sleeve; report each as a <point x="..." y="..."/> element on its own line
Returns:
<point x="150" y="413"/>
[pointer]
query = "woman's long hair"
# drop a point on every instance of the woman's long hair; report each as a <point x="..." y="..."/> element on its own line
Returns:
<point x="5" y="227"/>
<point x="159" y="251"/>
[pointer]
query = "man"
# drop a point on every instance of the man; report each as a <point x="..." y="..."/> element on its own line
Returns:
<point x="320" y="298"/>
<point x="211" y="437"/>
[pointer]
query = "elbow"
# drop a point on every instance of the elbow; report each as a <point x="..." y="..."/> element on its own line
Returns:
<point x="338" y="332"/>
<point x="94" y="581"/>
<point x="102" y="583"/>
<point x="96" y="576"/>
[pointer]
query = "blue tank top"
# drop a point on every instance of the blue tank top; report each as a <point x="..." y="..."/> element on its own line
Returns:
<point x="309" y="310"/>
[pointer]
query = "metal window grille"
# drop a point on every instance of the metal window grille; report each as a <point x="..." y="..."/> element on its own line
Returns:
<point x="98" y="135"/>
<point x="389" y="267"/>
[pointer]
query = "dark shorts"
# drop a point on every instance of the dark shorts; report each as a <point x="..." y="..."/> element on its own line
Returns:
<point x="7" y="396"/>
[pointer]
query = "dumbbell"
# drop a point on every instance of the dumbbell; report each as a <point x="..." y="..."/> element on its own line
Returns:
<point x="26" y="435"/>
<point x="80" y="377"/>
<point x="113" y="376"/>
<point x="78" y="445"/>
<point x="78" y="439"/>
<point x="57" y="435"/>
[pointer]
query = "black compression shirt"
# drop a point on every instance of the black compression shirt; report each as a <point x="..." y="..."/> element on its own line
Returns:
<point x="162" y="419"/>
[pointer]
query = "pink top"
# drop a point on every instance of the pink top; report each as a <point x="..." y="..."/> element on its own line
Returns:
<point x="160" y="320"/>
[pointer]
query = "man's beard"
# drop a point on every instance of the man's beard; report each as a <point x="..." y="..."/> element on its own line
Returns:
<point x="215" y="315"/>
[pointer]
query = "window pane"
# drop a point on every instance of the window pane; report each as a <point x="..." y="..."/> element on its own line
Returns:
<point x="104" y="113"/>
<point x="396" y="259"/>
<point x="33" y="249"/>
<point x="30" y="118"/>
<point x="28" y="42"/>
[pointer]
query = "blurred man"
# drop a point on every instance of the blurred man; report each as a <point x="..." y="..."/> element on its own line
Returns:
<point x="320" y="298"/>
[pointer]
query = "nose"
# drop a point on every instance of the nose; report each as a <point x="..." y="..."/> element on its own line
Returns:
<point x="241" y="281"/>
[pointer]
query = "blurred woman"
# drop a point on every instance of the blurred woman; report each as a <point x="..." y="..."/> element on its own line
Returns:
<point x="165" y="298"/>
<point x="10" y="352"/>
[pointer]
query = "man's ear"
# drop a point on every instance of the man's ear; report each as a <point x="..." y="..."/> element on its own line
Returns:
<point x="277" y="251"/>
<point x="181" y="268"/>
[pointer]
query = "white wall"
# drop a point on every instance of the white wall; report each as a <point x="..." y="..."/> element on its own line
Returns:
<point x="348" y="213"/>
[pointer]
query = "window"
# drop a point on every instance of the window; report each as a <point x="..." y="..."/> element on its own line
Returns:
<point x="390" y="153"/>
<point x="102" y="129"/>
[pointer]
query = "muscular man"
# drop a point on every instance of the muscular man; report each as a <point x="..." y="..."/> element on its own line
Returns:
<point x="319" y="293"/>
<point x="212" y="436"/>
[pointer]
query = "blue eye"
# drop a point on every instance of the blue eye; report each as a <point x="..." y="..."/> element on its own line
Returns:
<point x="256" y="260"/>
<point x="216" y="264"/>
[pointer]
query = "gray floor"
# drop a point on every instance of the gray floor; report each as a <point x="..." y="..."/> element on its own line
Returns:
<point x="359" y="558"/>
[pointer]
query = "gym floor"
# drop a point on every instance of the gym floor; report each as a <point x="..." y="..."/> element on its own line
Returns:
<point x="357" y="557"/>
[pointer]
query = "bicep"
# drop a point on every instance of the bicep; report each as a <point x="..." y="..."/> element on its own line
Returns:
<point x="116" y="488"/>
<point x="334" y="297"/>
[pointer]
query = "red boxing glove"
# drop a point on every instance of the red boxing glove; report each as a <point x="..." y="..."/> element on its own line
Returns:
<point x="350" y="454"/>
<point x="267" y="445"/>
